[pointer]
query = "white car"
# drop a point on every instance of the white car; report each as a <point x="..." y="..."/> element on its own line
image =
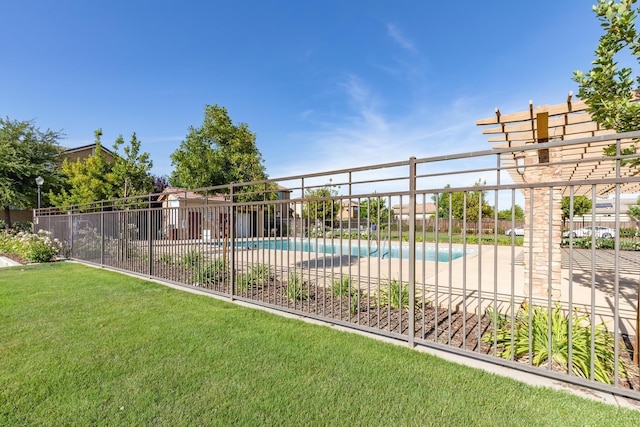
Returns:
<point x="518" y="231"/>
<point x="602" y="232"/>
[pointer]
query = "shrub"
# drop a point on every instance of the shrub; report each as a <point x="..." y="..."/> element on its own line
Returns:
<point x="89" y="245"/>
<point x="538" y="322"/>
<point x="627" y="232"/>
<point x="26" y="226"/>
<point x="256" y="275"/>
<point x="260" y="273"/>
<point x="192" y="258"/>
<point x="32" y="247"/>
<point x="211" y="272"/>
<point x="585" y="243"/>
<point x="344" y="287"/>
<point x="165" y="259"/>
<point x="396" y="295"/>
<point x="295" y="288"/>
<point x="630" y="245"/>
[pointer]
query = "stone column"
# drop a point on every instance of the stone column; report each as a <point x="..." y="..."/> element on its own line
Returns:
<point x="542" y="253"/>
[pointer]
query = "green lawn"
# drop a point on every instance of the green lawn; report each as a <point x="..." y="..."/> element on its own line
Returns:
<point x="83" y="346"/>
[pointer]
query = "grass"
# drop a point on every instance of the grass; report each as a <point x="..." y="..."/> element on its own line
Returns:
<point x="84" y="346"/>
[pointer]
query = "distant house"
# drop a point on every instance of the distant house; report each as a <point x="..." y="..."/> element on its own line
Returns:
<point x="605" y="211"/>
<point x="349" y="209"/>
<point x="283" y="209"/>
<point x="81" y="153"/>
<point x="191" y="215"/>
<point x="424" y="211"/>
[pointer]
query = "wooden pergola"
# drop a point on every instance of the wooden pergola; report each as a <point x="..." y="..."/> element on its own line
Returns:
<point x="547" y="123"/>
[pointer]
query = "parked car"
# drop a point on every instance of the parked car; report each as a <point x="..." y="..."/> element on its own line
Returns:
<point x="603" y="232"/>
<point x="518" y="231"/>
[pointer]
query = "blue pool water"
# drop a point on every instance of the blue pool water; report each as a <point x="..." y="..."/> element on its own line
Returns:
<point x="364" y="249"/>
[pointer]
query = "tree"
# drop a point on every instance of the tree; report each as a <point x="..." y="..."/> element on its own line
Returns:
<point x="517" y="213"/>
<point x="94" y="178"/>
<point x="375" y="210"/>
<point x="131" y="171"/>
<point x="324" y="210"/>
<point x="464" y="204"/>
<point x="87" y="181"/>
<point x="581" y="206"/>
<point x="219" y="153"/>
<point x="607" y="90"/>
<point x="26" y="152"/>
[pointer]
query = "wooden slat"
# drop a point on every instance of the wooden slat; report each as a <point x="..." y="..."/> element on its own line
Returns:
<point x="554" y="122"/>
<point x="581" y="128"/>
<point x="553" y="110"/>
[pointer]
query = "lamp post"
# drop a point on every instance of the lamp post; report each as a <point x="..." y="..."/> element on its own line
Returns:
<point x="39" y="182"/>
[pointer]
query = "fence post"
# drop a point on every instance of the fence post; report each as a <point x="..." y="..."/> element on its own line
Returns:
<point x="102" y="233"/>
<point x="150" y="228"/>
<point x="412" y="249"/>
<point x="70" y="225"/>
<point x="232" y="237"/>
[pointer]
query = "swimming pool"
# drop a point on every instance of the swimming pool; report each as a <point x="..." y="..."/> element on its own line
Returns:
<point x="363" y="249"/>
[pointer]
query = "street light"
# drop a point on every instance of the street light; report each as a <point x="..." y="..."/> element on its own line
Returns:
<point x="39" y="182"/>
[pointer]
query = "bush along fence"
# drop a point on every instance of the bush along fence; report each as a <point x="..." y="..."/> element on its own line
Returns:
<point x="391" y="250"/>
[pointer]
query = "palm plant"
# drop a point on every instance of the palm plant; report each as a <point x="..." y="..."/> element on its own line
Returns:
<point x="396" y="295"/>
<point x="211" y="272"/>
<point x="536" y="320"/>
<point x="295" y="289"/>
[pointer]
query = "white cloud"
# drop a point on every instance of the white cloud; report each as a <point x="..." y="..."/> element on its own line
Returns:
<point x="368" y="135"/>
<point x="399" y="38"/>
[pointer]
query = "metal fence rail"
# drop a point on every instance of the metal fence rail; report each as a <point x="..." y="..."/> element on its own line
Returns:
<point x="408" y="250"/>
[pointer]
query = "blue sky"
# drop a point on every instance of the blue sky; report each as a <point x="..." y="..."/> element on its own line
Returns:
<point x="323" y="84"/>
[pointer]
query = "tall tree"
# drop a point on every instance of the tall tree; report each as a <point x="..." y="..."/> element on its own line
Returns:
<point x="375" y="210"/>
<point x="94" y="178"/>
<point x="131" y="171"/>
<point x="464" y="204"/>
<point x="517" y="212"/>
<point x="607" y="89"/>
<point x="26" y="152"/>
<point x="320" y="204"/>
<point x="581" y="206"/>
<point x="218" y="153"/>
<point x="88" y="180"/>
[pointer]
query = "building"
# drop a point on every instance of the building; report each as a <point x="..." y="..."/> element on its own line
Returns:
<point x="190" y="215"/>
<point x="81" y="153"/>
<point x="424" y="211"/>
<point x="349" y="209"/>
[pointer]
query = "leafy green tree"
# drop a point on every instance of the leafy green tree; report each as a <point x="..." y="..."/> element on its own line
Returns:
<point x="607" y="89"/>
<point x="94" y="178"/>
<point x="463" y="205"/>
<point x="219" y="153"/>
<point x="442" y="201"/>
<point x="581" y="206"/>
<point x="87" y="181"/>
<point x="324" y="210"/>
<point x="375" y="210"/>
<point x="517" y="212"/>
<point x="131" y="171"/>
<point x="26" y="152"/>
